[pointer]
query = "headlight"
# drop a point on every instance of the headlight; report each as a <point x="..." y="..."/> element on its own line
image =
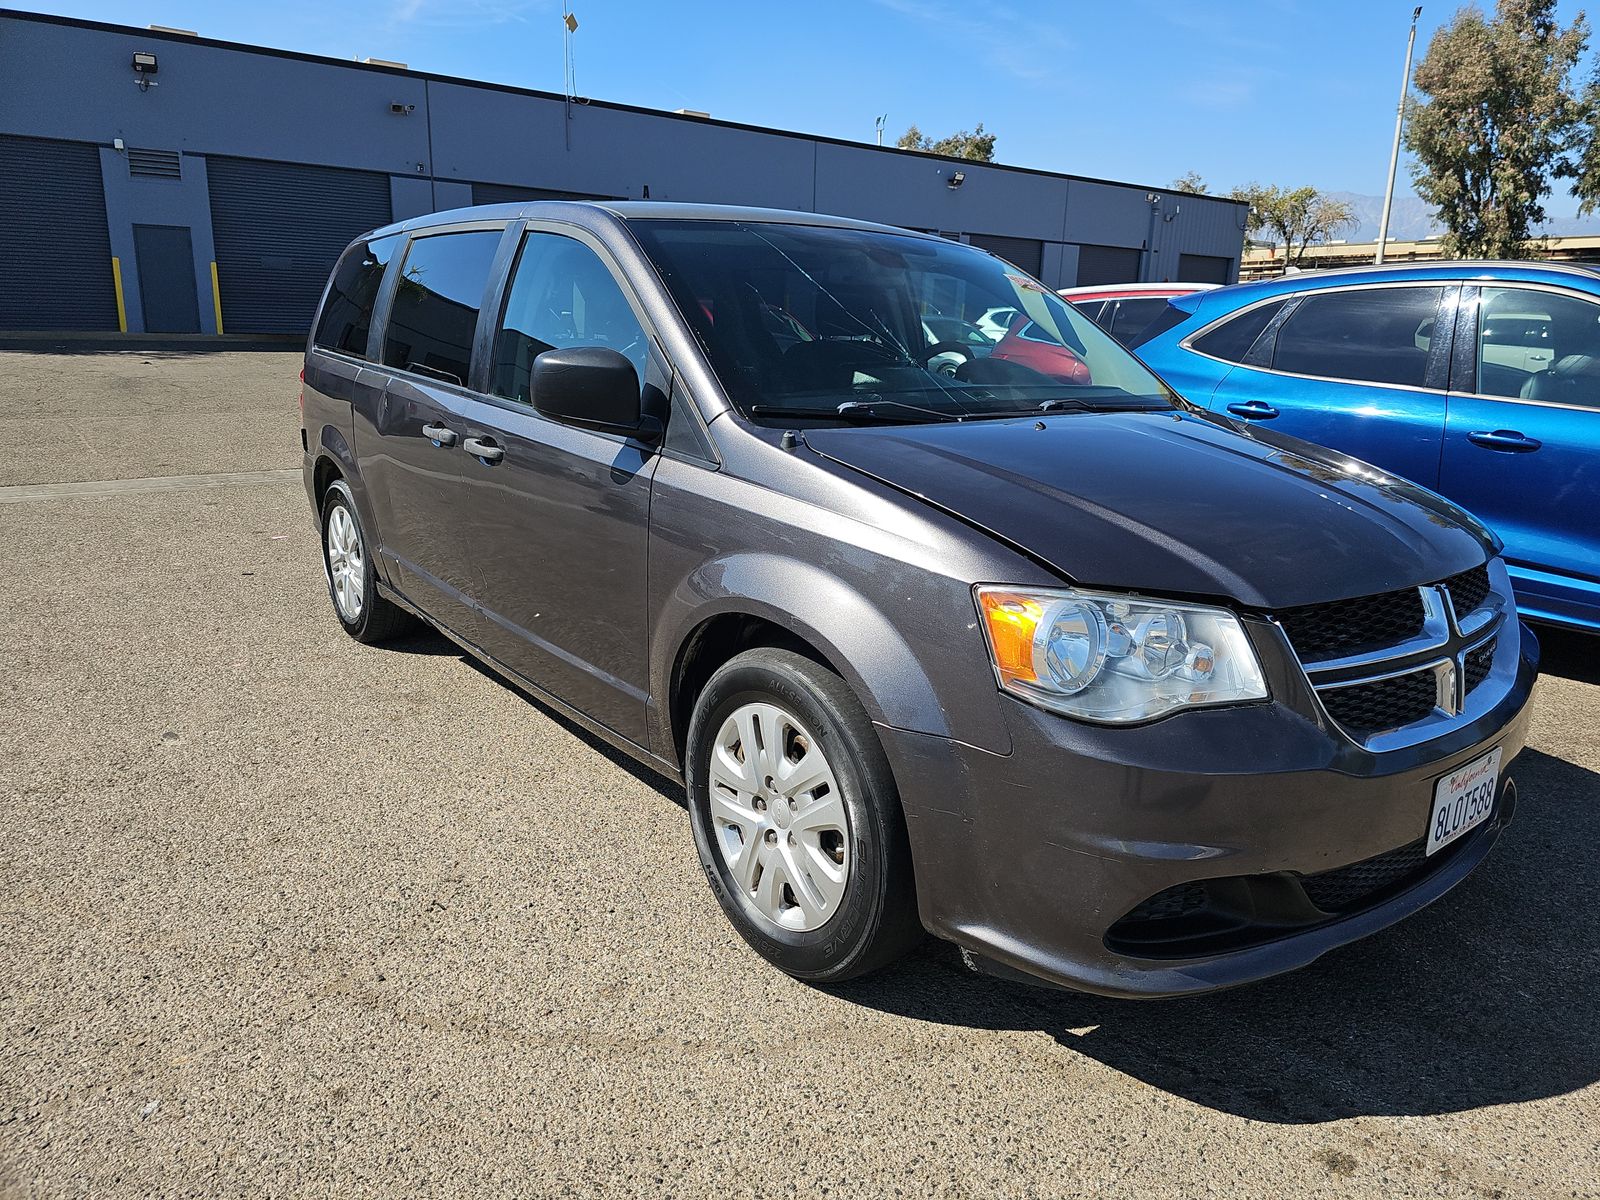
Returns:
<point x="1104" y="657"/>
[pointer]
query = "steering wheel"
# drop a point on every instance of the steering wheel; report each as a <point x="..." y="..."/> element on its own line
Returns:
<point x="949" y="356"/>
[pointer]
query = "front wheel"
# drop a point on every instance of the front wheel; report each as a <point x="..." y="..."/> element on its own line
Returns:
<point x="796" y="818"/>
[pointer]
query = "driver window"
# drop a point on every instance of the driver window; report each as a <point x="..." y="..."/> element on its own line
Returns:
<point x="561" y="296"/>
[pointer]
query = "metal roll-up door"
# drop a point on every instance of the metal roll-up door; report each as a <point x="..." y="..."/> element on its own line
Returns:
<point x="1025" y="253"/>
<point x="1204" y="268"/>
<point x="53" y="240"/>
<point x="1108" y="264"/>
<point x="278" y="229"/>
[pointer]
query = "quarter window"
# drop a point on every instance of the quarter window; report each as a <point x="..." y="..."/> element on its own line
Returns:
<point x="1232" y="340"/>
<point x="1374" y="335"/>
<point x="1538" y="346"/>
<point x="436" y="303"/>
<point x="347" y="314"/>
<point x="561" y="296"/>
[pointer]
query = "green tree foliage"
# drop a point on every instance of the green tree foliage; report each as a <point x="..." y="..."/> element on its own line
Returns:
<point x="1296" y="217"/>
<point x="1496" y="122"/>
<point x="1191" y="183"/>
<point x="974" y="144"/>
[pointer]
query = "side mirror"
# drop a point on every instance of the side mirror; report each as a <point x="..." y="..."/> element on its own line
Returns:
<point x="592" y="387"/>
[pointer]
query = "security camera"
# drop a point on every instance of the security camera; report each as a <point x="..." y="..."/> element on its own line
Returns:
<point x="401" y="110"/>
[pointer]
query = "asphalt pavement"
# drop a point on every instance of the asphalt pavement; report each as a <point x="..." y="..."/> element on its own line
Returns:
<point x="281" y="914"/>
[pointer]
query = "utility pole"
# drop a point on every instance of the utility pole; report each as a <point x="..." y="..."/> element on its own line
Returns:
<point x="1394" y="154"/>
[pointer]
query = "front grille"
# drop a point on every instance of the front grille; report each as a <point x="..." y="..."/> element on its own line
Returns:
<point x="1478" y="664"/>
<point x="1468" y="590"/>
<point x="1318" y="631"/>
<point x="1176" y="901"/>
<point x="1365" y="708"/>
<point x="1346" y="887"/>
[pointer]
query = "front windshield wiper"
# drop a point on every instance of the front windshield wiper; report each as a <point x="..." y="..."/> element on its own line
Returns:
<point x="858" y="410"/>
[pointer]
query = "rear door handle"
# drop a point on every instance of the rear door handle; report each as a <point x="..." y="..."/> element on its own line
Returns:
<point x="440" y="435"/>
<point x="1253" y="410"/>
<point x="1504" y="439"/>
<point x="483" y="448"/>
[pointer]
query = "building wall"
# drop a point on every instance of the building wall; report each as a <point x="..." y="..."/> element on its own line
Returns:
<point x="73" y="81"/>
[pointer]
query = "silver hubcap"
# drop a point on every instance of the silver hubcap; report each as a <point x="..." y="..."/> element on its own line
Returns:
<point x="346" y="566"/>
<point x="778" y="818"/>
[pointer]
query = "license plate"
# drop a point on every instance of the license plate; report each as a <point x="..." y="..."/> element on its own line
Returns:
<point x="1463" y="800"/>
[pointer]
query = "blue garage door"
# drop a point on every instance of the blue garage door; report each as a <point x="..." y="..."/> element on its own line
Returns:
<point x="54" y="248"/>
<point x="278" y="229"/>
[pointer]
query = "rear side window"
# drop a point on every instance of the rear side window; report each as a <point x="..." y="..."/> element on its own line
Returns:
<point x="1368" y="336"/>
<point x="1132" y="315"/>
<point x="347" y="315"/>
<point x="1232" y="340"/>
<point x="561" y="296"/>
<point x="436" y="302"/>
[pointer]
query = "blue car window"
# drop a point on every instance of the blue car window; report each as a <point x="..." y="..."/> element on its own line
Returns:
<point x="1365" y="335"/>
<point x="1232" y="340"/>
<point x="1539" y="345"/>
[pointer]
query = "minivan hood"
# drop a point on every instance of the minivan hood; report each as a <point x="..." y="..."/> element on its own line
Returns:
<point x="1174" y="503"/>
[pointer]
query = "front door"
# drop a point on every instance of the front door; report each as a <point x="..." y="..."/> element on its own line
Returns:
<point x="164" y="255"/>
<point x="1354" y="369"/>
<point x="557" y="518"/>
<point x="1522" y="445"/>
<point x="412" y="454"/>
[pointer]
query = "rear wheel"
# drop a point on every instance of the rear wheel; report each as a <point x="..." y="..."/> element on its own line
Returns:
<point x="796" y="818"/>
<point x="352" y="578"/>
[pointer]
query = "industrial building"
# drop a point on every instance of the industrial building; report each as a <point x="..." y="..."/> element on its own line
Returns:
<point x="156" y="181"/>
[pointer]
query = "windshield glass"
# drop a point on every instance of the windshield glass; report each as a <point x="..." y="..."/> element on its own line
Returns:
<point x="810" y="322"/>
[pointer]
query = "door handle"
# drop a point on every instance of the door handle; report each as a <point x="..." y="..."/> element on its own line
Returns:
<point x="1253" y="410"/>
<point x="440" y="435"/>
<point x="1504" y="439"/>
<point x="483" y="448"/>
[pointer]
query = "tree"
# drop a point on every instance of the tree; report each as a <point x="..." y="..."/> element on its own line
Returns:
<point x="975" y="144"/>
<point x="1191" y="183"/>
<point x="1297" y="217"/>
<point x="1498" y="122"/>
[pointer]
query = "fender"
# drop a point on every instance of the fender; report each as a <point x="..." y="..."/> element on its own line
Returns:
<point x="842" y="624"/>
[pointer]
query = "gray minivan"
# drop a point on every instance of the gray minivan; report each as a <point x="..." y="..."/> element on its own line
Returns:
<point x="1109" y="690"/>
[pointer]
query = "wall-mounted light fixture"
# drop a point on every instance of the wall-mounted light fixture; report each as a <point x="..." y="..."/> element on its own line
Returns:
<point x="144" y="66"/>
<point x="956" y="180"/>
<point x="402" y="110"/>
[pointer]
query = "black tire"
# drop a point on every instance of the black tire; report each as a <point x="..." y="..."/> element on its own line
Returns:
<point x="378" y="619"/>
<point x="876" y="920"/>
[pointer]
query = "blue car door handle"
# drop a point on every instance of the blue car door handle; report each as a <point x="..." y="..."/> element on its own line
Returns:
<point x="1253" y="410"/>
<point x="1504" y="439"/>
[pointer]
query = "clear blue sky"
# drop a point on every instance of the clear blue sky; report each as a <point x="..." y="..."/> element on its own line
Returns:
<point x="1279" y="91"/>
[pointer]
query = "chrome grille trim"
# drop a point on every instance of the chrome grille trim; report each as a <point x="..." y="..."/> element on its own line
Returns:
<point x="1441" y="650"/>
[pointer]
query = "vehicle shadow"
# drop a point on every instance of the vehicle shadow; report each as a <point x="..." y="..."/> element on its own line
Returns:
<point x="1568" y="653"/>
<point x="1491" y="996"/>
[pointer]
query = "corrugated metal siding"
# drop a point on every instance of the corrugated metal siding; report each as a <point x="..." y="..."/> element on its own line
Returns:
<point x="278" y="228"/>
<point x="1026" y="253"/>
<point x="54" y="248"/>
<point x="511" y="193"/>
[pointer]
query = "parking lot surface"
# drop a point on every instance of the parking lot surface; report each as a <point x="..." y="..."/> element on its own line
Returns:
<point x="281" y="914"/>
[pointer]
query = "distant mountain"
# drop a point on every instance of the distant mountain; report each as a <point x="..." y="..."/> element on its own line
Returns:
<point x="1412" y="218"/>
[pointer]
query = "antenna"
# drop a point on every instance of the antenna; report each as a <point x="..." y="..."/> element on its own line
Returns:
<point x="569" y="26"/>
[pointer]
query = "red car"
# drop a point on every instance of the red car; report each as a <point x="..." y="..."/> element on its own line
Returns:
<point x="1125" y="309"/>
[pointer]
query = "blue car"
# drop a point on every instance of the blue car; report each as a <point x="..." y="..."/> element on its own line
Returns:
<point x="1479" y="380"/>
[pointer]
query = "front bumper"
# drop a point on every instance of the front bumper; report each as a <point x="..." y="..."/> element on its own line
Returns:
<point x="1031" y="859"/>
